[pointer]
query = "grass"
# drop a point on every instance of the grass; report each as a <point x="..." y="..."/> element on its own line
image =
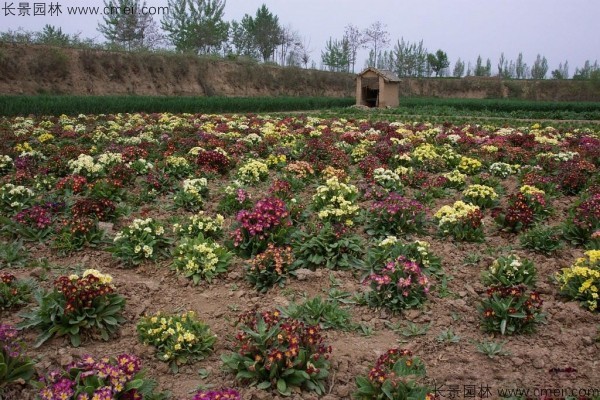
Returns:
<point x="73" y="105"/>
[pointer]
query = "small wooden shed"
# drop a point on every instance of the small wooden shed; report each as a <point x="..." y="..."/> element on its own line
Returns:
<point x="377" y="88"/>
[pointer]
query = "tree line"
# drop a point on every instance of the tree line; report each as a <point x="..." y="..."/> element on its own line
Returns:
<point x="199" y="27"/>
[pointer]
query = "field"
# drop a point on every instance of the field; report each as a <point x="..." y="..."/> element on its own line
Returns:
<point x="290" y="254"/>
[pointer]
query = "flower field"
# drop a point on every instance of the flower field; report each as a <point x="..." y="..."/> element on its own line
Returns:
<point x="203" y="256"/>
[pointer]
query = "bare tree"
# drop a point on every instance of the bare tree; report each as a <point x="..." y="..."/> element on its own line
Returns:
<point x="377" y="36"/>
<point x="356" y="41"/>
<point x="290" y="42"/>
<point x="305" y="51"/>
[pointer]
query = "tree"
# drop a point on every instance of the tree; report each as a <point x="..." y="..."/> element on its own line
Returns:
<point x="131" y="29"/>
<point x="266" y="32"/>
<point x="355" y="40"/>
<point x="289" y="43"/>
<point x="196" y="26"/>
<point x="438" y="62"/>
<point x="459" y="68"/>
<point x="377" y="36"/>
<point x="521" y="69"/>
<point x="53" y="36"/>
<point x="562" y="72"/>
<point x="539" y="69"/>
<point x="305" y="53"/>
<point x="480" y="69"/>
<point x="410" y="59"/>
<point x="336" y="55"/>
<point x="506" y="69"/>
<point x="588" y="71"/>
<point x="241" y="40"/>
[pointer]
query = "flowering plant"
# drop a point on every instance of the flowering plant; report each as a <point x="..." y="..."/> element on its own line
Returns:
<point x="6" y="164"/>
<point x="300" y="170"/>
<point x="14" y="198"/>
<point x="33" y="223"/>
<point x="335" y="201"/>
<point x="503" y="170"/>
<point x="510" y="271"/>
<point x="101" y="209"/>
<point x="76" y="232"/>
<point x="395" y="215"/>
<point x="390" y="248"/>
<point x="100" y="379"/>
<point x="177" y="167"/>
<point x="270" y="268"/>
<point x="267" y="222"/>
<point x="455" y="179"/>
<point x="72" y="183"/>
<point x="524" y="208"/>
<point x="387" y="179"/>
<point x="276" y="352"/>
<point x="401" y="284"/>
<point x="581" y="281"/>
<point x="13" y="292"/>
<point x="190" y="194"/>
<point x="462" y="220"/>
<point x="199" y="258"/>
<point x="14" y="365"/>
<point x="142" y="240"/>
<point x="469" y="166"/>
<point x="178" y="339"/>
<point x="77" y="305"/>
<point x="393" y="377"/>
<point x="253" y="171"/>
<point x="234" y="200"/>
<point x="480" y="195"/>
<point x="200" y="223"/>
<point x="85" y="165"/>
<point x="510" y="309"/>
<point x="583" y="220"/>
<point x="212" y="161"/>
<point x="222" y="394"/>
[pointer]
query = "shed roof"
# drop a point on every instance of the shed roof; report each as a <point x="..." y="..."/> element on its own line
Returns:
<point x="387" y="75"/>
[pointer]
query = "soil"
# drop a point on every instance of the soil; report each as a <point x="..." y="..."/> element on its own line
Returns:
<point x="566" y="340"/>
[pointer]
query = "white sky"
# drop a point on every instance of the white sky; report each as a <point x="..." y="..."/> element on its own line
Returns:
<point x="557" y="29"/>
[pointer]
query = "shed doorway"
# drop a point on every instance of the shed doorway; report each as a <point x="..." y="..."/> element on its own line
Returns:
<point x="371" y="97"/>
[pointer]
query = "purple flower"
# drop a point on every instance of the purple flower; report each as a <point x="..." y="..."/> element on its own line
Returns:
<point x="223" y="394"/>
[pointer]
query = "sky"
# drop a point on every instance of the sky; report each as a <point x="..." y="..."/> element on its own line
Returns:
<point x="557" y="29"/>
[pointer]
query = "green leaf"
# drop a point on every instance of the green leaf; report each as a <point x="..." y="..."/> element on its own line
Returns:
<point x="281" y="386"/>
<point x="75" y="340"/>
<point x="264" y="385"/>
<point x="503" y="326"/>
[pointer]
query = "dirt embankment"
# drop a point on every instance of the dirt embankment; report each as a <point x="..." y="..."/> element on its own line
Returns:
<point x="40" y="69"/>
<point x="33" y="69"/>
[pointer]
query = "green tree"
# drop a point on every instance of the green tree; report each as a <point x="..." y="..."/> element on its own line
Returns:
<point x="459" y="68"/>
<point x="336" y="55"/>
<point x="241" y="39"/>
<point x="52" y="35"/>
<point x="196" y="26"/>
<point x="588" y="71"/>
<point x="482" y="70"/>
<point x="410" y="59"/>
<point x="126" y="25"/>
<point x="521" y="68"/>
<point x="266" y="32"/>
<point x="438" y="62"/>
<point x="506" y="69"/>
<point x="539" y="69"/>
<point x="562" y="72"/>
